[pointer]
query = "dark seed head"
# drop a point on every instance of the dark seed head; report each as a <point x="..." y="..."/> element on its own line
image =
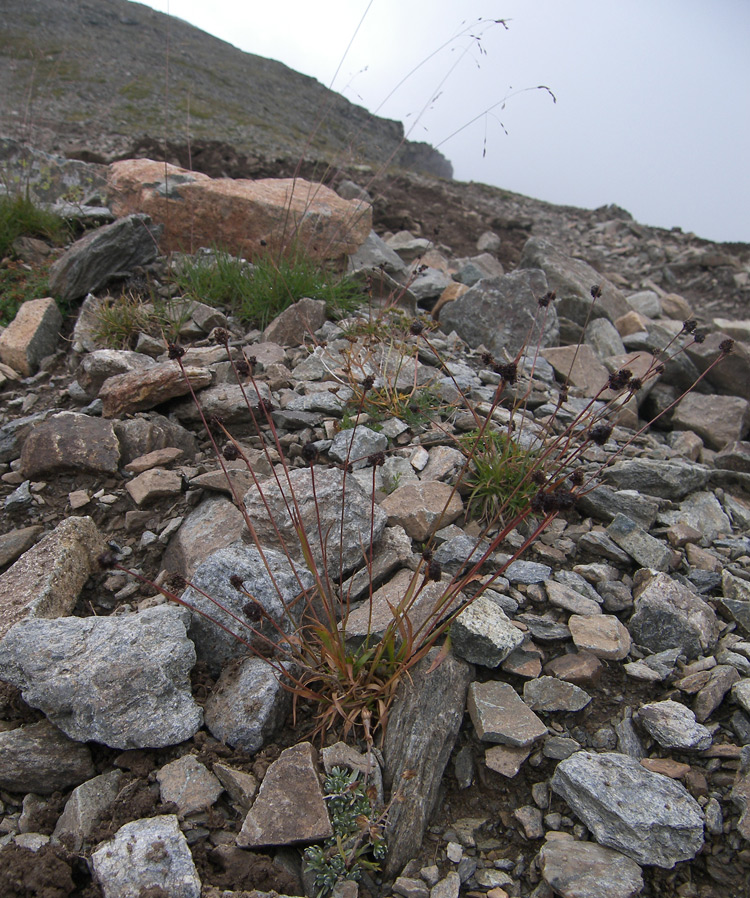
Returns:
<point x="376" y="460"/>
<point x="545" y="300"/>
<point x="252" y="362"/>
<point x="726" y="346"/>
<point x="427" y="554"/>
<point x="416" y="328"/>
<point x="310" y="453"/>
<point x="576" y="478"/>
<point x="600" y="433"/>
<point x="107" y="560"/>
<point x="635" y="384"/>
<point x="236" y="582"/>
<point x="230" y="452"/>
<point x="596" y="291"/>
<point x="242" y="368"/>
<point x="434" y="571"/>
<point x="620" y="379"/>
<point x="368" y="383"/>
<point x="699" y="338"/>
<point x="507" y="370"/>
<point x="175" y="351"/>
<point x="221" y="335"/>
<point x="251" y="612"/>
<point x="689" y="326"/>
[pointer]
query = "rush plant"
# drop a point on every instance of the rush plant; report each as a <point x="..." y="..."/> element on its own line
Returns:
<point x="537" y="471"/>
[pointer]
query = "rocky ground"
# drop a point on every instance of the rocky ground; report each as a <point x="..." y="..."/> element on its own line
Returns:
<point x="588" y="734"/>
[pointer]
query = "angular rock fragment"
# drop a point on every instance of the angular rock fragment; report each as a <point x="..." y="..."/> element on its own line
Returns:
<point x="674" y="726"/>
<point x="257" y="587"/>
<point x="39" y="758"/>
<point x="500" y="715"/>
<point x="114" y="250"/>
<point x="510" y="301"/>
<point x="422" y="508"/>
<point x="423" y="725"/>
<point x="669" y="615"/>
<point x="188" y="784"/>
<point x="146" y="857"/>
<point x="290" y="808"/>
<point x="483" y="634"/>
<point x="31" y="336"/>
<point x="70" y="441"/>
<point x="136" y="391"/>
<point x="247" y="704"/>
<point x="47" y="579"/>
<point x="346" y="519"/>
<point x="663" y="827"/>
<point x="86" y="807"/>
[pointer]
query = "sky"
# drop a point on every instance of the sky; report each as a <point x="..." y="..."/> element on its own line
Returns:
<point x="651" y="107"/>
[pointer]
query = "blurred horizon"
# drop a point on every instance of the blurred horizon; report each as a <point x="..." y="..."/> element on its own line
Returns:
<point x="651" y="110"/>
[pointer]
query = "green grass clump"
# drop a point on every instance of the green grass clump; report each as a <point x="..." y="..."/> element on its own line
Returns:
<point x="19" y="217"/>
<point x="257" y="294"/>
<point x="499" y="481"/>
<point x="18" y="283"/>
<point x="120" y="320"/>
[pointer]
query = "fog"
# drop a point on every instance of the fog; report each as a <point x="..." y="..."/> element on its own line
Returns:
<point x="651" y="107"/>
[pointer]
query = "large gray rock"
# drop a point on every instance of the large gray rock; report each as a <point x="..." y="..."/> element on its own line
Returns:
<point x="498" y="312"/>
<point x="587" y="870"/>
<point x="662" y="827"/>
<point x="666" y="479"/>
<point x="114" y="250"/>
<point x="39" y="758"/>
<point x="146" y="857"/>
<point x="212" y="525"/>
<point x="422" y="729"/>
<point x="330" y="503"/>
<point x="718" y="420"/>
<point x="572" y="280"/>
<point x="247" y="704"/>
<point x="669" y="615"/>
<point x="273" y="587"/>
<point x="70" y="441"/>
<point x="356" y="445"/>
<point x="121" y="680"/>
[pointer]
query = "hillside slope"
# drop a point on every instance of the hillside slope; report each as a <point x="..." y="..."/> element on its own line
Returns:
<point x="78" y="74"/>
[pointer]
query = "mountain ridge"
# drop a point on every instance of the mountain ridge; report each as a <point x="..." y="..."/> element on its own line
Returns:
<point x="77" y="74"/>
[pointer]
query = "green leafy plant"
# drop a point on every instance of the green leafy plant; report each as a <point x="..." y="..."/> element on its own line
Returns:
<point x="357" y="843"/>
<point x="257" y="293"/>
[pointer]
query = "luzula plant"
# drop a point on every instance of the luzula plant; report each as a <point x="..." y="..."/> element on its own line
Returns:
<point x="540" y="470"/>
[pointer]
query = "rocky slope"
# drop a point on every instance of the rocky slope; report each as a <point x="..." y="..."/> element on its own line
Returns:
<point x="90" y="78"/>
<point x="589" y="734"/>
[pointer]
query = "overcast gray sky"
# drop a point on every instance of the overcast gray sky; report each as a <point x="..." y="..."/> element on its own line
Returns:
<point x="653" y="96"/>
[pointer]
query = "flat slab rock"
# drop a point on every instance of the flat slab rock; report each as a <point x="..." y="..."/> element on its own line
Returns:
<point x="587" y="870"/>
<point x="500" y="715"/>
<point x="663" y="827"/>
<point x="39" y="758"/>
<point x="121" y="680"/>
<point x="290" y="808"/>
